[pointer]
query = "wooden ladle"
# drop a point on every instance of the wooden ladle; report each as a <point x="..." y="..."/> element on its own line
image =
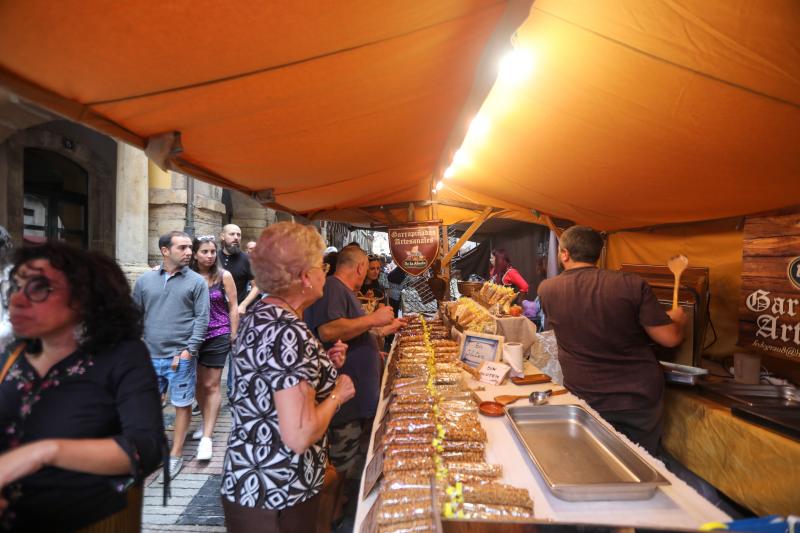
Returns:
<point x="508" y="399"/>
<point x="677" y="264"/>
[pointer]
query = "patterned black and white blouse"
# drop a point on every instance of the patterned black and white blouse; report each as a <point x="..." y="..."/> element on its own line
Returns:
<point x="275" y="351"/>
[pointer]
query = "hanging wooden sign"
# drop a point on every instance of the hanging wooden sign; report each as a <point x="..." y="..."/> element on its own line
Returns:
<point x="769" y="309"/>
<point x="414" y="246"/>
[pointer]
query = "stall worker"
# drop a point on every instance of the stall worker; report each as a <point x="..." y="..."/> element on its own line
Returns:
<point x="604" y="322"/>
<point x="503" y="273"/>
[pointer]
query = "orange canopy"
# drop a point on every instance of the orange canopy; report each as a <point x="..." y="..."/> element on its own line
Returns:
<point x="634" y="113"/>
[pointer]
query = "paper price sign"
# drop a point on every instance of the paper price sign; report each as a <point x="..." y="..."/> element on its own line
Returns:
<point x="493" y="372"/>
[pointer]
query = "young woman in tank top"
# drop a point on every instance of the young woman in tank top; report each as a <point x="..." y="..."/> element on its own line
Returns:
<point x="223" y="322"/>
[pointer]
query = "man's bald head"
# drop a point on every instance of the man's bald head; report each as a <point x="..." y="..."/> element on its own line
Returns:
<point x="231" y="237"/>
<point x="351" y="266"/>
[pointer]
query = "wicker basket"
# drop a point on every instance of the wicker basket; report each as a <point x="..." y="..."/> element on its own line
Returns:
<point x="468" y="288"/>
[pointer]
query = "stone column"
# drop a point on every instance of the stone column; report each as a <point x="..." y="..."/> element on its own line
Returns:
<point x="132" y="207"/>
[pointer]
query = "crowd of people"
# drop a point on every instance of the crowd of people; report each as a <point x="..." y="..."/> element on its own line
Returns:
<point x="89" y="364"/>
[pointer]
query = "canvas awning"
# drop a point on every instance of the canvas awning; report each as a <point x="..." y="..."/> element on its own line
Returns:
<point x="635" y="112"/>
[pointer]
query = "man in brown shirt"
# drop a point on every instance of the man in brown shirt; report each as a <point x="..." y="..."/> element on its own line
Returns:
<point x="604" y="323"/>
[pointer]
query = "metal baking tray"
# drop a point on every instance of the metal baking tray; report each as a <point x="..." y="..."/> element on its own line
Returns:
<point x="682" y="374"/>
<point x="579" y="459"/>
<point x="731" y="393"/>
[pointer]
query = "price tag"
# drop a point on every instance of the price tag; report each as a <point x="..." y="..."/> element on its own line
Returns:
<point x="370" y="523"/>
<point x="493" y="372"/>
<point x="373" y="472"/>
<point x="378" y="439"/>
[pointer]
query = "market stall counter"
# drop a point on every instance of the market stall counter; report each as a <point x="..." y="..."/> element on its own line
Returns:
<point x="673" y="503"/>
<point x="754" y="466"/>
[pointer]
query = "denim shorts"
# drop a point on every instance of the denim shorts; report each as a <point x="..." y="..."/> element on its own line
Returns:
<point x="181" y="382"/>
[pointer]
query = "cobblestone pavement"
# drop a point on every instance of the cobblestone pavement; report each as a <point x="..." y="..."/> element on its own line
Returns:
<point x="195" y="505"/>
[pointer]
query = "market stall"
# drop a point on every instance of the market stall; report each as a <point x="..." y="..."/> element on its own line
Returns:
<point x="672" y="502"/>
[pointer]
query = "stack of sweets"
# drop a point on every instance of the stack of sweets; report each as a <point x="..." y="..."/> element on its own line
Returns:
<point x="434" y="443"/>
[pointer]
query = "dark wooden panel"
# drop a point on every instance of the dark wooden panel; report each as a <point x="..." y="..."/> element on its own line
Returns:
<point x="772" y="226"/>
<point x="772" y="246"/>
<point x="766" y="267"/>
<point x="781" y="286"/>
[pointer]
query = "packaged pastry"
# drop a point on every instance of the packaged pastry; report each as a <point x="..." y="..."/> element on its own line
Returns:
<point x="393" y="514"/>
<point x="408" y="449"/>
<point x="484" y="470"/>
<point x="496" y="493"/>
<point x="415" y="526"/>
<point x="482" y="511"/>
<point x="422" y="464"/>
<point x="405" y="439"/>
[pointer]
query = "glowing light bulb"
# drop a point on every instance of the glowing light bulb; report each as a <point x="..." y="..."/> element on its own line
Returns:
<point x="479" y="126"/>
<point x="516" y="66"/>
<point x="450" y="172"/>
<point x="439" y="186"/>
<point x="459" y="158"/>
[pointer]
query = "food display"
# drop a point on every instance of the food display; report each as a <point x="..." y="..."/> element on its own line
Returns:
<point x="493" y="294"/>
<point x="433" y="445"/>
<point x="469" y="315"/>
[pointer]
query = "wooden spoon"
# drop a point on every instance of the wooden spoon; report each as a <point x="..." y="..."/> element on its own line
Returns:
<point x="677" y="264"/>
<point x="508" y="399"/>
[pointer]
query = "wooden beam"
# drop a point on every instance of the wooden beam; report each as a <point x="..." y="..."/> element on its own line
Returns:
<point x="393" y="220"/>
<point x="467" y="234"/>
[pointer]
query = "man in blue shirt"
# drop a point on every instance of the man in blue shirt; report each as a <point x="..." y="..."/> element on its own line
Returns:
<point x="174" y="301"/>
<point x="338" y="315"/>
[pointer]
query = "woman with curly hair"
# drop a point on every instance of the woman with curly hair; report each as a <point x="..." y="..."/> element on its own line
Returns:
<point x="80" y="416"/>
<point x="285" y="391"/>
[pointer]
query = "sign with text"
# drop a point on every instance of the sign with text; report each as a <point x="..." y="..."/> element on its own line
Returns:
<point x="769" y="309"/>
<point x="479" y="347"/>
<point x="414" y="246"/>
<point x="493" y="373"/>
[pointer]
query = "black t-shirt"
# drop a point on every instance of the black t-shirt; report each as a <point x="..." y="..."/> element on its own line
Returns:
<point x="363" y="363"/>
<point x="239" y="267"/>
<point x="605" y="353"/>
<point x="113" y="393"/>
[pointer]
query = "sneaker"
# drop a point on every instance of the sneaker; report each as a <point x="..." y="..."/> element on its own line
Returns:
<point x="198" y="433"/>
<point x="196" y="409"/>
<point x="205" y="449"/>
<point x="175" y="466"/>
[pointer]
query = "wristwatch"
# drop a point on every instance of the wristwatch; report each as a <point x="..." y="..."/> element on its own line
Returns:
<point x="335" y="398"/>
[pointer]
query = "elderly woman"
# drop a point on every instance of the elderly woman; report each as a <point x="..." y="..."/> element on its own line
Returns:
<point x="80" y="417"/>
<point x="285" y="391"/>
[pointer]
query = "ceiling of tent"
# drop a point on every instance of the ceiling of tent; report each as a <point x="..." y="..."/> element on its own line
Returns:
<point x="635" y="113"/>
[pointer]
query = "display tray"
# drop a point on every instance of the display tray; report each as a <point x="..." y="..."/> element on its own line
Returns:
<point x="731" y="393"/>
<point x="784" y="420"/>
<point x="579" y="459"/>
<point x="682" y="374"/>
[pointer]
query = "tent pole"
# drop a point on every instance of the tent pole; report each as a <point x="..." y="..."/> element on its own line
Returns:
<point x="467" y="234"/>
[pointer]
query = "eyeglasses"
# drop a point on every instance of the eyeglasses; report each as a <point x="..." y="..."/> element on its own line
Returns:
<point x="37" y="289"/>
<point x="325" y="267"/>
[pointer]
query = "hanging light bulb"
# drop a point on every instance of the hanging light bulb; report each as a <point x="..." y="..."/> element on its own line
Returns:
<point x="439" y="186"/>
<point x="516" y="66"/>
<point x="450" y="172"/>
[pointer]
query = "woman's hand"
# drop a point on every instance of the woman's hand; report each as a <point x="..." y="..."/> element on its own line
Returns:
<point x="337" y="354"/>
<point x="344" y="389"/>
<point x="24" y="461"/>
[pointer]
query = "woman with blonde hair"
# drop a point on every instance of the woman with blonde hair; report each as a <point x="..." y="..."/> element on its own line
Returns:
<point x="285" y="391"/>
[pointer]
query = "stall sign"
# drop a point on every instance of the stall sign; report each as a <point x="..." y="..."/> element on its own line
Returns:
<point x="493" y="373"/>
<point x="414" y="246"/>
<point x="769" y="311"/>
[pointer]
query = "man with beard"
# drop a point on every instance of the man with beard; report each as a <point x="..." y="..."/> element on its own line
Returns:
<point x="604" y="323"/>
<point x="237" y="262"/>
<point x="174" y="302"/>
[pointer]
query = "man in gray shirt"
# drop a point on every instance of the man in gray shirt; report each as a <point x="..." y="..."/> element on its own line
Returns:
<point x="174" y="301"/>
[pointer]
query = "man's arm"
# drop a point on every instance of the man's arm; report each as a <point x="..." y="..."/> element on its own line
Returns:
<point x="250" y="298"/>
<point x="669" y="335"/>
<point x="201" y="305"/>
<point x="348" y="328"/>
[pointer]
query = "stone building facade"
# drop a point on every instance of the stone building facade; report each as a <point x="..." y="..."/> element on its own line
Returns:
<point x="59" y="179"/>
